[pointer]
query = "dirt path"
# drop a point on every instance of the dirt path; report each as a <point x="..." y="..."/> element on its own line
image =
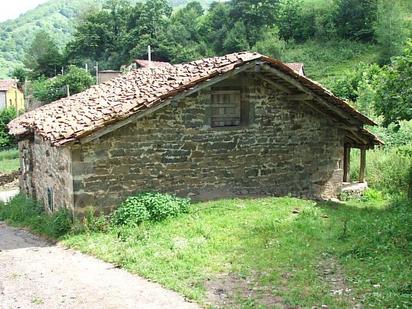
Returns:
<point x="35" y="274"/>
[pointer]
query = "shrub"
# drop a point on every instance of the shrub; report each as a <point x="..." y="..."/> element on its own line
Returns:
<point x="6" y="115"/>
<point x="93" y="222"/>
<point x="61" y="222"/>
<point x="149" y="206"/>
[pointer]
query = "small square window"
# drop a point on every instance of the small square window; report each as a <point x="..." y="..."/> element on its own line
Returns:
<point x="225" y="109"/>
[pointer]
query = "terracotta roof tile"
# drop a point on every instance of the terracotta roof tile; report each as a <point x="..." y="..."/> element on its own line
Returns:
<point x="154" y="64"/>
<point x="82" y="114"/>
<point x="297" y="66"/>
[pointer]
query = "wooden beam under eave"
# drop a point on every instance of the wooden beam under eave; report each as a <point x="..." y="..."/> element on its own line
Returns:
<point x="346" y="163"/>
<point x="274" y="84"/>
<point x="362" y="164"/>
<point x="306" y="90"/>
<point x="300" y="97"/>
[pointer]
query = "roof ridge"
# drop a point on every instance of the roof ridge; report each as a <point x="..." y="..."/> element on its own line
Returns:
<point x="82" y="114"/>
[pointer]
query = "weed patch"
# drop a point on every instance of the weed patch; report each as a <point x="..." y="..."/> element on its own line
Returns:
<point x="25" y="212"/>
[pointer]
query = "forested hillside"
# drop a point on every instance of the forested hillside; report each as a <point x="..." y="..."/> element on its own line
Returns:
<point x="57" y="17"/>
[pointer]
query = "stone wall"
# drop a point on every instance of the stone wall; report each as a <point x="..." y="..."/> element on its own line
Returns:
<point x="281" y="148"/>
<point x="46" y="173"/>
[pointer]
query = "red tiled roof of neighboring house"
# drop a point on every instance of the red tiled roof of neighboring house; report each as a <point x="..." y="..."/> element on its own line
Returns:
<point x="80" y="115"/>
<point x="152" y="64"/>
<point x="6" y="84"/>
<point x="296" y="66"/>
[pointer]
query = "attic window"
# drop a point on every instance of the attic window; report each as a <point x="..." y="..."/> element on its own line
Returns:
<point x="225" y="108"/>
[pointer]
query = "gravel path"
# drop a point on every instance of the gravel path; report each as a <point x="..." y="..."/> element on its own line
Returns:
<point x="36" y="274"/>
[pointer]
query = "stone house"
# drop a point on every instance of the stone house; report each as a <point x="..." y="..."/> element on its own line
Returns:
<point x="241" y="124"/>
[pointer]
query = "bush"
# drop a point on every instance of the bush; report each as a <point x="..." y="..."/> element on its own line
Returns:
<point x="61" y="222"/>
<point x="149" y="206"/>
<point x="93" y="222"/>
<point x="6" y="115"/>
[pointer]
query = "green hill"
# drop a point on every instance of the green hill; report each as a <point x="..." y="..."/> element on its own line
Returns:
<point x="58" y="17"/>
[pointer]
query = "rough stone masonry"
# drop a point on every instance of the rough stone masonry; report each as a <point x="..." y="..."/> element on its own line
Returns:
<point x="281" y="147"/>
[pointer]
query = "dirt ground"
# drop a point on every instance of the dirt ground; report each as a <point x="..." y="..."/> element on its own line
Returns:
<point x="37" y="274"/>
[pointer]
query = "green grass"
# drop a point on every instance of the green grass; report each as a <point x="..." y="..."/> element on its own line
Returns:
<point x="9" y="161"/>
<point x="263" y="244"/>
<point x="24" y="212"/>
<point x="326" y="60"/>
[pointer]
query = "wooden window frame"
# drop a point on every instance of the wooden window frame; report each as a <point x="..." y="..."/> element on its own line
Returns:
<point x="221" y="119"/>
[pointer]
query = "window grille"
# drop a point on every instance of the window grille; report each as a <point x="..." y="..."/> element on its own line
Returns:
<point x="226" y="109"/>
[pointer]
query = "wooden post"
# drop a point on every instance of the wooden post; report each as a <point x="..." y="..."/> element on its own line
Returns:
<point x="346" y="163"/>
<point x="362" y="164"/>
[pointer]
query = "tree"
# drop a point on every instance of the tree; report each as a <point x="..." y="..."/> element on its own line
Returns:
<point x="290" y="19"/>
<point x="393" y="98"/>
<point x="20" y="73"/>
<point x="254" y="14"/>
<point x="270" y="44"/>
<point x="355" y="19"/>
<point x="213" y="27"/>
<point x="100" y="36"/>
<point x="43" y="57"/>
<point x="390" y="30"/>
<point x="49" y="90"/>
<point x="236" y="39"/>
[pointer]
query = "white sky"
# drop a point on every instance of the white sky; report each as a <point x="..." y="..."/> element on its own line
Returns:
<point x="13" y="8"/>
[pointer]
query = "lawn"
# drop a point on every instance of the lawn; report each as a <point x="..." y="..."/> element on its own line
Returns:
<point x="272" y="252"/>
<point x="326" y="61"/>
<point x="9" y="161"/>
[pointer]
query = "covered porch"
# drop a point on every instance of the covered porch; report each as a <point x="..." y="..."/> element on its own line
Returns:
<point x="362" y="140"/>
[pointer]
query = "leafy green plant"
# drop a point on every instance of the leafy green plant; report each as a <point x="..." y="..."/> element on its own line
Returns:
<point x="393" y="89"/>
<point x="61" y="222"/>
<point x="94" y="222"/>
<point x="149" y="206"/>
<point x="6" y="115"/>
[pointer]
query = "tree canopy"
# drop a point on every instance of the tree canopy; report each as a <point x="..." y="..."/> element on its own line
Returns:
<point x="43" y="57"/>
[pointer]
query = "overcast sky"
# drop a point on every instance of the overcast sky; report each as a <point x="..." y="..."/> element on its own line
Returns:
<point x="13" y="8"/>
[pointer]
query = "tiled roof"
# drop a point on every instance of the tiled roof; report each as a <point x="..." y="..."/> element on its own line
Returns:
<point x="117" y="99"/>
<point x="296" y="66"/>
<point x="152" y="64"/>
<point x="7" y="84"/>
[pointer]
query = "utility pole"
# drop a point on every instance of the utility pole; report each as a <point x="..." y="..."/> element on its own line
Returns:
<point x="68" y="90"/>
<point x="97" y="72"/>
<point x="86" y="67"/>
<point x="62" y="70"/>
<point x="149" y="55"/>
